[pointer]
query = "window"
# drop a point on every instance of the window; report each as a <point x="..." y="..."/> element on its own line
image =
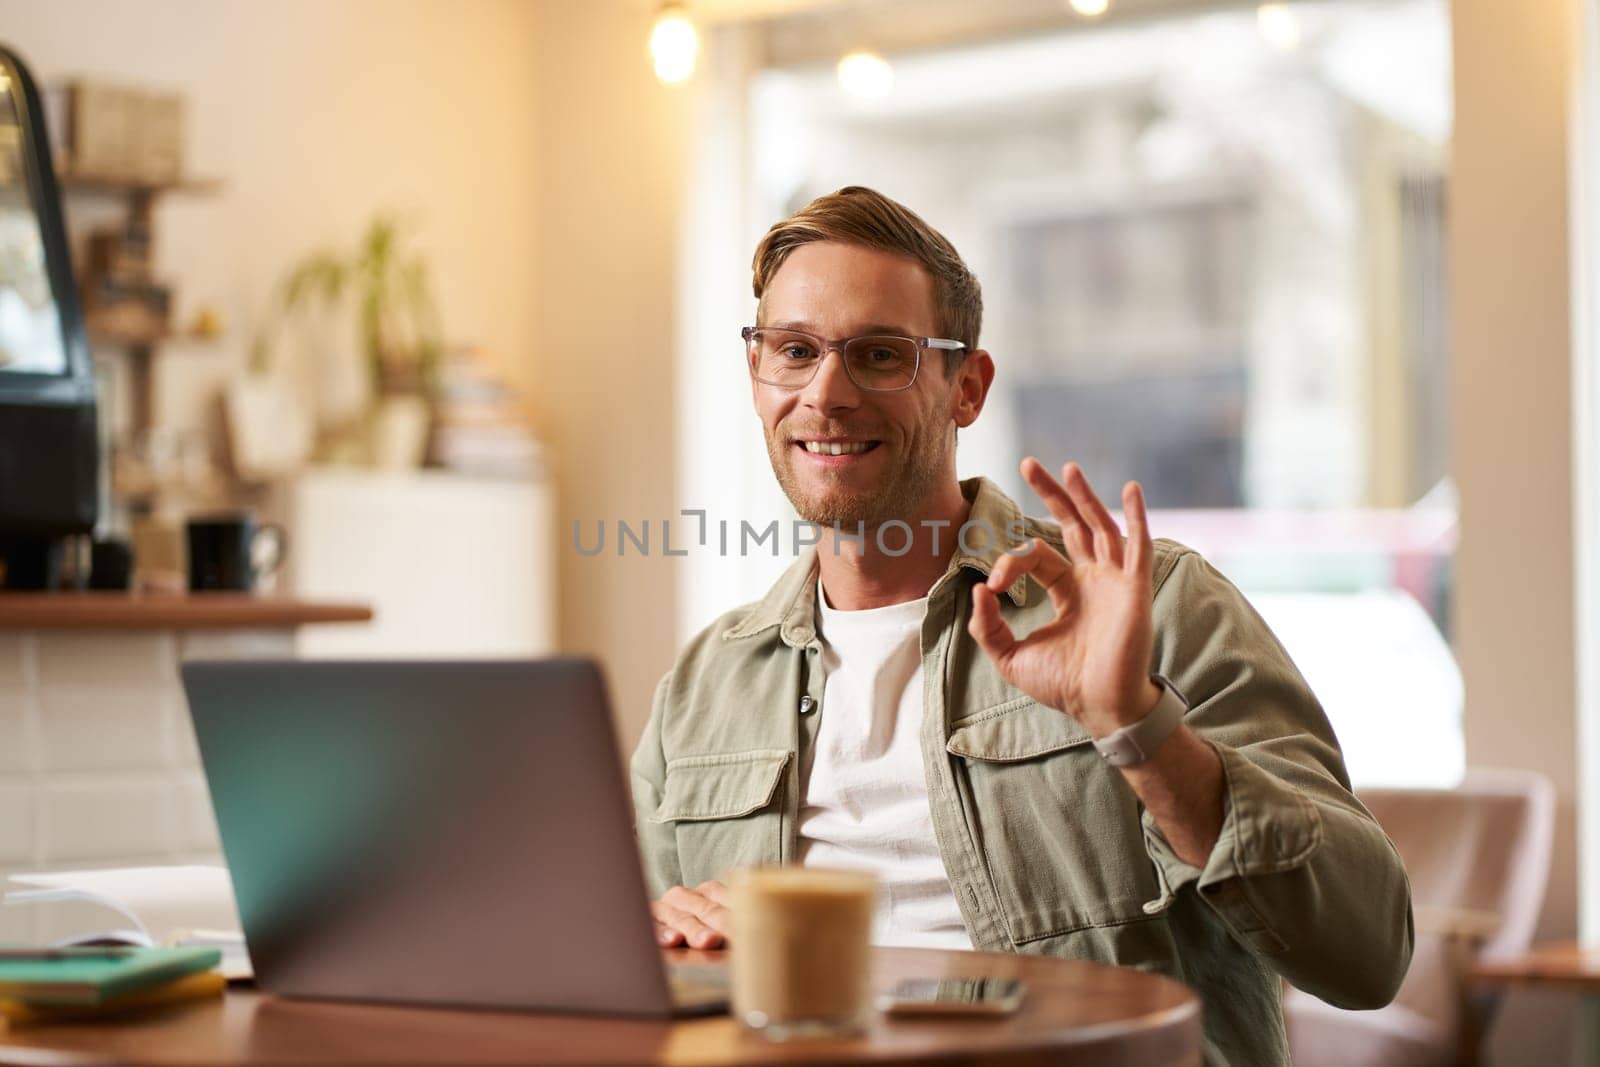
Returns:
<point x="1213" y="260"/>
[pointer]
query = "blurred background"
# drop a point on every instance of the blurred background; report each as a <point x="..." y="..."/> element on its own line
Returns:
<point x="445" y="287"/>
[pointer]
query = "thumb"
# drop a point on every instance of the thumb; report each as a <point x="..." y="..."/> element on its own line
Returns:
<point x="987" y="627"/>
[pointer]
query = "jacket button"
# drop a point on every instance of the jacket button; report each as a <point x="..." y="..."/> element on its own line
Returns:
<point x="807" y="705"/>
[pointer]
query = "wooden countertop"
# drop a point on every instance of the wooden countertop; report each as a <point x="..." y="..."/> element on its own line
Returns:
<point x="154" y="611"/>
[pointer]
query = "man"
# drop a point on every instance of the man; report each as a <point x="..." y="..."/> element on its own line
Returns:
<point x="1043" y="738"/>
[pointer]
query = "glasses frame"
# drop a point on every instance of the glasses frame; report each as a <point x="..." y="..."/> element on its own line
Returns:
<point x="824" y="346"/>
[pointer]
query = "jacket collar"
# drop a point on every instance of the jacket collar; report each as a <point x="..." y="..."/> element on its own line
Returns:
<point x="790" y="605"/>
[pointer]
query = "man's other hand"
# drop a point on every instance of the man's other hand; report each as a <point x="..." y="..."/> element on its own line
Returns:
<point x="695" y="917"/>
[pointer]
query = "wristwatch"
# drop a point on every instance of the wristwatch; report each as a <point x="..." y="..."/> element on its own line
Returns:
<point x="1138" y="741"/>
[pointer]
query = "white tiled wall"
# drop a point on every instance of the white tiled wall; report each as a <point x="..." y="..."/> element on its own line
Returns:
<point x="98" y="765"/>
<point x="14" y="690"/>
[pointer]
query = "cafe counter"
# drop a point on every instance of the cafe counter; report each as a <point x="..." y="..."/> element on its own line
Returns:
<point x="132" y="611"/>
<point x="98" y="765"/>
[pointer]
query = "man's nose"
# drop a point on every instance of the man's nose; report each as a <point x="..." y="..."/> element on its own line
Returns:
<point x="831" y="389"/>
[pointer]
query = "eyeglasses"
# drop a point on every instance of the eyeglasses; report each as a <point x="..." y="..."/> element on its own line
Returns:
<point x="881" y="362"/>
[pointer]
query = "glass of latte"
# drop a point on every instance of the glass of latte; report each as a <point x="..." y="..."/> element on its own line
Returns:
<point x="799" y="950"/>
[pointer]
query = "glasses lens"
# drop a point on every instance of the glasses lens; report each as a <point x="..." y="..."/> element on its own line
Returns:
<point x="781" y="357"/>
<point x="881" y="362"/>
<point x="789" y="359"/>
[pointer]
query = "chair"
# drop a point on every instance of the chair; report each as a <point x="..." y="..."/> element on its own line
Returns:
<point x="1478" y="857"/>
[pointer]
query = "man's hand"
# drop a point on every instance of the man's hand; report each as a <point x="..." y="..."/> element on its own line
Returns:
<point x="1093" y="660"/>
<point x="695" y="917"/>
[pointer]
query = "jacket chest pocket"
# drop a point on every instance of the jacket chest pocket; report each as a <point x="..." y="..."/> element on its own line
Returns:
<point x="726" y="810"/>
<point x="1058" y="827"/>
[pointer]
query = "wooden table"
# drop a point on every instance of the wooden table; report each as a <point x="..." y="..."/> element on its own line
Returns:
<point x="1094" y="1014"/>
<point x="1563" y="964"/>
<point x="1554" y="965"/>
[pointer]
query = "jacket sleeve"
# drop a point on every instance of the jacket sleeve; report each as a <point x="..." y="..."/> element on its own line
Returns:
<point x="658" y="843"/>
<point x="1301" y="875"/>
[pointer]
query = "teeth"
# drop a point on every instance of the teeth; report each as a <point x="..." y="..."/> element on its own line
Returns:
<point x="837" y="448"/>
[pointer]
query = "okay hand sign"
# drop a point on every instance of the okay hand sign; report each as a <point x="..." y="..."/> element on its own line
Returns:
<point x="1093" y="660"/>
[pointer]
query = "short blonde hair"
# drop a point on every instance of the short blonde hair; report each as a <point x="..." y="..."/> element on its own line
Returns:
<point x="861" y="216"/>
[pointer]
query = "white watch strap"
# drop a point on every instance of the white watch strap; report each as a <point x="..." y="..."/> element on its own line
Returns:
<point x="1138" y="741"/>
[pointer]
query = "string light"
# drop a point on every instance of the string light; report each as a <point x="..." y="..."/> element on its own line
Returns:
<point x="673" y="44"/>
<point x="1279" y="26"/>
<point x="866" y="75"/>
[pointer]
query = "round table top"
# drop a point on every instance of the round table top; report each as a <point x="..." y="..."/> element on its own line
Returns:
<point x="1098" y="1014"/>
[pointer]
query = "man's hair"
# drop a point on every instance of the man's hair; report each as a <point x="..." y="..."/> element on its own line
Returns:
<point x="860" y="216"/>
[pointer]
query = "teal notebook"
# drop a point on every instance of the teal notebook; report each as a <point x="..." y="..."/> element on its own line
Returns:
<point x="91" y="979"/>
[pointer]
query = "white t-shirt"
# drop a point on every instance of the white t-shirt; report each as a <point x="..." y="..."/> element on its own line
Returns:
<point x="865" y="795"/>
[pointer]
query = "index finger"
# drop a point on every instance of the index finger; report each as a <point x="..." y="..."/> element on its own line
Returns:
<point x="1074" y="530"/>
<point x="666" y="934"/>
<point x="1048" y="567"/>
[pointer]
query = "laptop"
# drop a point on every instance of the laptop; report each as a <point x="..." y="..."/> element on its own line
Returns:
<point x="453" y="833"/>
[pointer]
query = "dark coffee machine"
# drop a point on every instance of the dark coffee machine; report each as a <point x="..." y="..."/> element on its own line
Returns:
<point x="49" y="447"/>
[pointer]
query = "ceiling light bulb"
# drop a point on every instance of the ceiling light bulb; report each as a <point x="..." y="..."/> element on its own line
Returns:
<point x="866" y="75"/>
<point x="1279" y="26"/>
<point x="673" y="44"/>
<point x="1090" y="8"/>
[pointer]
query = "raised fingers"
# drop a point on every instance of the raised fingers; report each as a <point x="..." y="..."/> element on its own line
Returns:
<point x="1140" y="552"/>
<point x="1074" y="531"/>
<point x="1107" y="538"/>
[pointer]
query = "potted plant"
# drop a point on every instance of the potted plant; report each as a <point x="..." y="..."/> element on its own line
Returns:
<point x="386" y="284"/>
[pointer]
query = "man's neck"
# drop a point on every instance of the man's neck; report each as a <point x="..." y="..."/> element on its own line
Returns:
<point x="858" y="574"/>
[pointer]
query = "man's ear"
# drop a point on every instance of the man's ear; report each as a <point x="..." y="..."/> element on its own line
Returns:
<point x="971" y="388"/>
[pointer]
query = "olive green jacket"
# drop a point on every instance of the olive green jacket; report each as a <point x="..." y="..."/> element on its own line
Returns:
<point x="1047" y="847"/>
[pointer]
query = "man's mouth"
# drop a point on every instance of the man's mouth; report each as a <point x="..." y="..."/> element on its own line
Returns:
<point x="837" y="448"/>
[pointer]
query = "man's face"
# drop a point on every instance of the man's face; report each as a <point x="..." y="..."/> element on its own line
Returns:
<point x="837" y="291"/>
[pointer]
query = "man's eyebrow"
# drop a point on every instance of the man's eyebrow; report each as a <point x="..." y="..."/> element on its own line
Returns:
<point x="869" y="328"/>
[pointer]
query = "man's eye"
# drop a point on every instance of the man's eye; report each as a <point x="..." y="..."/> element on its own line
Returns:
<point x="795" y="352"/>
<point x="882" y="355"/>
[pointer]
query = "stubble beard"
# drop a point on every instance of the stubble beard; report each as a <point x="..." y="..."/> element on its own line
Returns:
<point x="905" y="485"/>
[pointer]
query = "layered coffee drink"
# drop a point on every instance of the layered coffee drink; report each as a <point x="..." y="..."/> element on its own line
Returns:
<point x="799" y="949"/>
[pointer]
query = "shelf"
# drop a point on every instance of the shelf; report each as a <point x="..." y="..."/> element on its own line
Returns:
<point x="128" y="338"/>
<point x="109" y="185"/>
<point x="149" y="611"/>
<point x="146" y="340"/>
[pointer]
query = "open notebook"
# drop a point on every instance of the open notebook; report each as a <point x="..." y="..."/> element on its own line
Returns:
<point x="189" y="905"/>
